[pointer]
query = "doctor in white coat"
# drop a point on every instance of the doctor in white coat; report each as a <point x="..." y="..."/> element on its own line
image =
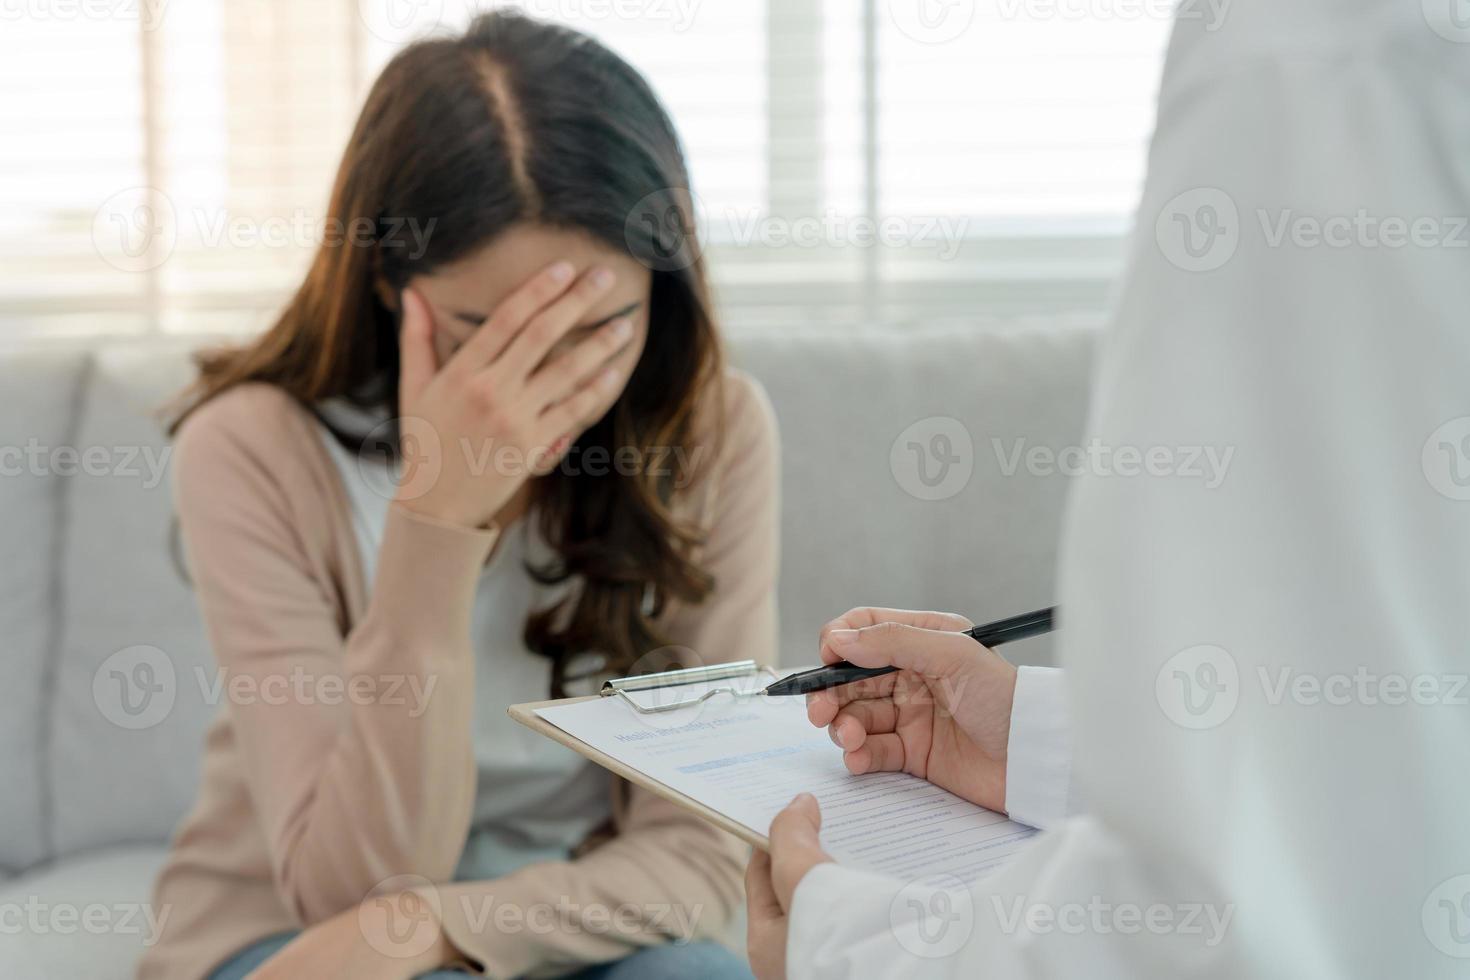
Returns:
<point x="1265" y="768"/>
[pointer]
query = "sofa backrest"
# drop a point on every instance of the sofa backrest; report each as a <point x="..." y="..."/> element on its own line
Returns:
<point x="40" y="389"/>
<point x="905" y="482"/>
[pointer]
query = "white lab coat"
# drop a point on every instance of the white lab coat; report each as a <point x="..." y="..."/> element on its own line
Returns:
<point x="1266" y="678"/>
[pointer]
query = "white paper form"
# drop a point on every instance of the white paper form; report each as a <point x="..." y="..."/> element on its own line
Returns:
<point x="747" y="758"/>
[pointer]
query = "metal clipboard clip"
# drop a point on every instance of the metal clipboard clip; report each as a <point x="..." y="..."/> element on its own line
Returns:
<point x="622" y="686"/>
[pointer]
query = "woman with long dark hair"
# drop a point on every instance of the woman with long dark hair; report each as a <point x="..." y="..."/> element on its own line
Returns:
<point x="488" y="454"/>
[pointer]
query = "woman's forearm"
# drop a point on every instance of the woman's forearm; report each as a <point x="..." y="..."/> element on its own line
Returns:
<point x="370" y="774"/>
<point x="668" y="876"/>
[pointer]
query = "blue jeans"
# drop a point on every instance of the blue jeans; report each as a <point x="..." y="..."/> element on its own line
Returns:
<point x="708" y="961"/>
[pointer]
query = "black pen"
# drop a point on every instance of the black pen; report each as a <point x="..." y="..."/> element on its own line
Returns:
<point x="842" y="672"/>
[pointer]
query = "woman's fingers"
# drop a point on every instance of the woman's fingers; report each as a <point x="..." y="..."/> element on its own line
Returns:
<point x="576" y="411"/>
<point x="529" y="347"/>
<point x="511" y="316"/>
<point x="417" y="361"/>
<point x="570" y="370"/>
<point x="878" y="753"/>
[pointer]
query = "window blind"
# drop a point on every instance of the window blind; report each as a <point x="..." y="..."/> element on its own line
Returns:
<point x="165" y="165"/>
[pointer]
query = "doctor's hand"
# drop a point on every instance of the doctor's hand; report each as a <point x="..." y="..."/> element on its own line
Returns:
<point x="771" y="880"/>
<point x="945" y="716"/>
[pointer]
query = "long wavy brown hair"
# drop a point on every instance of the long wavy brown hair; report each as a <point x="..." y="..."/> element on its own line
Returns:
<point x="518" y="121"/>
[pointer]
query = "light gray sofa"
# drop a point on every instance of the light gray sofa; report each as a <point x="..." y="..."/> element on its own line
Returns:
<point x="90" y="787"/>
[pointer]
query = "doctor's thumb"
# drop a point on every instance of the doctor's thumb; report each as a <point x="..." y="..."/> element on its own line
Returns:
<point x="796" y="846"/>
<point x="799" y="824"/>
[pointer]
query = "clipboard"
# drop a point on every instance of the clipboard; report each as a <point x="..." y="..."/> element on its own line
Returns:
<point x="526" y="715"/>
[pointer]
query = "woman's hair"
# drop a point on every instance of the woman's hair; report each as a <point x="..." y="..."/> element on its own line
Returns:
<point x="521" y="122"/>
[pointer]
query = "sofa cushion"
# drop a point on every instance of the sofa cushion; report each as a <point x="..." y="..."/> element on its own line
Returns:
<point x="129" y="711"/>
<point x="901" y="484"/>
<point x="41" y="390"/>
<point x="84" y="916"/>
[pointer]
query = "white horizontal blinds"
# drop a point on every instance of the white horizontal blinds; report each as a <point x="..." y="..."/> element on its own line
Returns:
<point x="71" y="135"/>
<point x="166" y="164"/>
<point x="256" y="101"/>
<point x="777" y="251"/>
<point x="1026" y="112"/>
<point x="1013" y="140"/>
